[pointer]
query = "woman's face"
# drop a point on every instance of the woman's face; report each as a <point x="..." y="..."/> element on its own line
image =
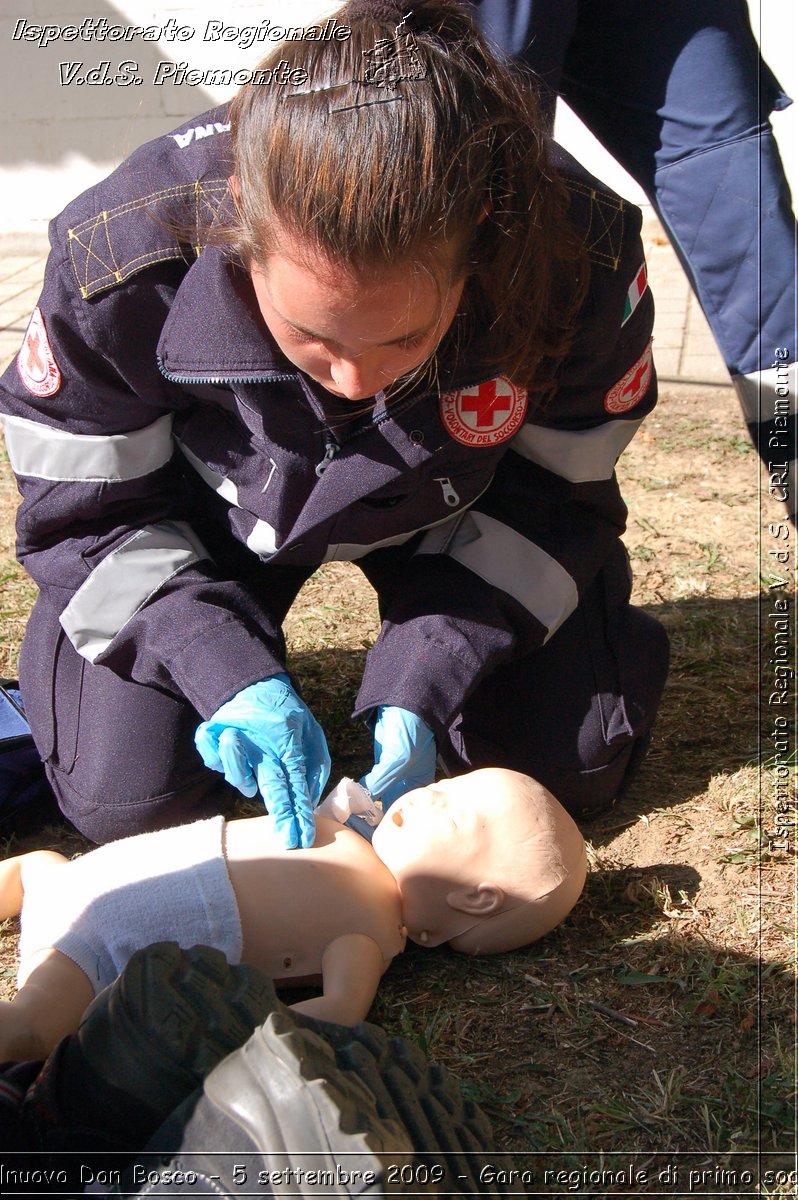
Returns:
<point x="353" y="336"/>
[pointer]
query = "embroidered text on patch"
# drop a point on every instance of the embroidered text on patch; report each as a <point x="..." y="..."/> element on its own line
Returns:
<point x="36" y="363"/>
<point x="484" y="415"/>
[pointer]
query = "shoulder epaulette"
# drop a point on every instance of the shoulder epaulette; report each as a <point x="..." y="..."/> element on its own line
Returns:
<point x="109" y="247"/>
<point x="605" y="222"/>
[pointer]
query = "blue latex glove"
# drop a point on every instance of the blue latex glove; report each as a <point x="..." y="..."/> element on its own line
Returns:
<point x="265" y="739"/>
<point x="404" y="755"/>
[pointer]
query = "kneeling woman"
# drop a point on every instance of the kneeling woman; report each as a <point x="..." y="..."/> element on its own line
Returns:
<point x="372" y="316"/>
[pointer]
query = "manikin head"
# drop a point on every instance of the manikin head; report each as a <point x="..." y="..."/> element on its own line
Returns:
<point x="487" y="862"/>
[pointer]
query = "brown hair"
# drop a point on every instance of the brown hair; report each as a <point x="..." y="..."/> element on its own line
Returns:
<point x="374" y="175"/>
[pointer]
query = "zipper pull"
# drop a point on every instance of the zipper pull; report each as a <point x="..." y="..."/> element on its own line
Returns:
<point x="330" y="451"/>
<point x="450" y="496"/>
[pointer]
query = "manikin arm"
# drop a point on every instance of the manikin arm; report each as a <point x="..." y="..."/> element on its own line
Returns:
<point x="351" y="968"/>
<point x="54" y="993"/>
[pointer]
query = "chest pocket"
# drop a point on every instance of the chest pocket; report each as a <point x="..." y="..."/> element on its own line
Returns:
<point x="437" y="491"/>
<point x="385" y="502"/>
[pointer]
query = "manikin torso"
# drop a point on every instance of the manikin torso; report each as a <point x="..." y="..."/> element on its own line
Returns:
<point x="293" y="904"/>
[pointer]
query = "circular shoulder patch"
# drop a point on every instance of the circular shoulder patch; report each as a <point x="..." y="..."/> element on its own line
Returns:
<point x="631" y="389"/>
<point x="36" y="363"/>
<point x="484" y="415"/>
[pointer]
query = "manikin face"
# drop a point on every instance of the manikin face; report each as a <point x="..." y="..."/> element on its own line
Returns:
<point x="355" y="337"/>
<point x="438" y="843"/>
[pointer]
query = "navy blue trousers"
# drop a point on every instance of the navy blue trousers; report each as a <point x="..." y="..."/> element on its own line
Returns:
<point x="677" y="91"/>
<point x="576" y="714"/>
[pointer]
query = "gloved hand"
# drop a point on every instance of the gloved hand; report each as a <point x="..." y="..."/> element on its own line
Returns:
<point x="265" y="739"/>
<point x="404" y="754"/>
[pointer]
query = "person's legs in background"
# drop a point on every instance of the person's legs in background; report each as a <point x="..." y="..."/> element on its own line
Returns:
<point x="678" y="93"/>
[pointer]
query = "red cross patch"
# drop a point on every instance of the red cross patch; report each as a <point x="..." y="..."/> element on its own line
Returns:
<point x="36" y="363"/>
<point x="631" y="389"/>
<point x="484" y="415"/>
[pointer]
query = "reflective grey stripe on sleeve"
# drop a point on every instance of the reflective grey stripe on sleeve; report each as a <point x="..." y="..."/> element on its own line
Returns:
<point x="764" y="395"/>
<point x="508" y="560"/>
<point x="120" y="585"/>
<point x="579" y="455"/>
<point x="42" y="452"/>
<point x="262" y="538"/>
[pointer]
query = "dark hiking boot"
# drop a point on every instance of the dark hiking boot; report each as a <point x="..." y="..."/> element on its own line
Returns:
<point x="308" y="1108"/>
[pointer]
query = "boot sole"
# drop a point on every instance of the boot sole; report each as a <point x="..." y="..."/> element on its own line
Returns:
<point x="328" y="1110"/>
<point x="169" y="1018"/>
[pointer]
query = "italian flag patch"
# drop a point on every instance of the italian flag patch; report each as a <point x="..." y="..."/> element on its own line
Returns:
<point x="635" y="293"/>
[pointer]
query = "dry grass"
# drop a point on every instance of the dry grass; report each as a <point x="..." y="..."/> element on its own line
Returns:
<point x="657" y="1025"/>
